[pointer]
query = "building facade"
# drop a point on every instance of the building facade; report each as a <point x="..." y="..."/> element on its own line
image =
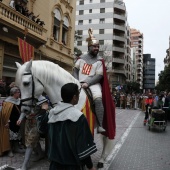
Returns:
<point x="52" y="35"/>
<point x="134" y="67"/>
<point x="149" y="72"/>
<point x="128" y="59"/>
<point x="137" y="42"/>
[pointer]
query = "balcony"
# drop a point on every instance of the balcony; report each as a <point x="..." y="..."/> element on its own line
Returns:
<point x="119" y="71"/>
<point x="119" y="49"/>
<point x="118" y="60"/>
<point x="16" y="24"/>
<point x="120" y="17"/>
<point x="119" y="5"/>
<point x="119" y="27"/>
<point x="119" y="38"/>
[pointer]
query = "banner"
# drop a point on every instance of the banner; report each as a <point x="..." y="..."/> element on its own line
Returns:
<point x="26" y="50"/>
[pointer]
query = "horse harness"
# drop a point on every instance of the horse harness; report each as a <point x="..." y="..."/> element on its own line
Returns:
<point x="34" y="100"/>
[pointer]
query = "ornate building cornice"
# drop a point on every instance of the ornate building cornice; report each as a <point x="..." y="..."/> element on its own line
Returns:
<point x="67" y="5"/>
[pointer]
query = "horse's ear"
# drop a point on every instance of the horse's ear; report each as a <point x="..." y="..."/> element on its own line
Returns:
<point x="18" y="64"/>
<point x="28" y="66"/>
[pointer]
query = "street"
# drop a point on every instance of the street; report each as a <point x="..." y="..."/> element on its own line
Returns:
<point x="135" y="147"/>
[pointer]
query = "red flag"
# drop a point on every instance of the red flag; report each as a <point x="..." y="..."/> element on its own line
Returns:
<point x="26" y="50"/>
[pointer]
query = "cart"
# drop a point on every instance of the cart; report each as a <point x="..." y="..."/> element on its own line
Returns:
<point x="157" y="119"/>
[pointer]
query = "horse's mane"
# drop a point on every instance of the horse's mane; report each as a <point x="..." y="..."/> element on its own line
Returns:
<point x="48" y="72"/>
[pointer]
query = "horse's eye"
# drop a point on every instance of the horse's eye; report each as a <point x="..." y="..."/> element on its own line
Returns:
<point x="26" y="83"/>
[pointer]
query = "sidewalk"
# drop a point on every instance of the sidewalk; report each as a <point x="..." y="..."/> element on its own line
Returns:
<point x="123" y="120"/>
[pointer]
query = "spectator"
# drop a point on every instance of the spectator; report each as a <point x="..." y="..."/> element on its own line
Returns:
<point x="9" y="88"/>
<point x="167" y="105"/>
<point x="18" y="7"/>
<point x="9" y="130"/>
<point x="3" y="91"/>
<point x="128" y="101"/>
<point x="148" y="105"/>
<point x="32" y="135"/>
<point x="12" y="4"/>
<point x="24" y="9"/>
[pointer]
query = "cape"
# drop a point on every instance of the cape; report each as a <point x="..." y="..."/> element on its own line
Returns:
<point x="109" y="122"/>
<point x="4" y="117"/>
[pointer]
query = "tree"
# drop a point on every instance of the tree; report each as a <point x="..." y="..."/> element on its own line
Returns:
<point x="106" y="51"/>
<point x="132" y="87"/>
<point x="77" y="51"/>
<point x="164" y="80"/>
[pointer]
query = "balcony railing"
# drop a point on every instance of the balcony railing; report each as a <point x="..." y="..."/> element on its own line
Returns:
<point x="15" y="18"/>
<point x="119" y="2"/>
<point x="118" y="60"/>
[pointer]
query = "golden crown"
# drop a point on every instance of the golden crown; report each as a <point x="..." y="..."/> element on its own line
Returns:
<point x="91" y="39"/>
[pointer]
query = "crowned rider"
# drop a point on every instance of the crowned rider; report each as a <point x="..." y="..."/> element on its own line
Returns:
<point x="90" y="71"/>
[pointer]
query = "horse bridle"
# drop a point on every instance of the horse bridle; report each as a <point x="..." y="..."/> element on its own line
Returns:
<point x="34" y="100"/>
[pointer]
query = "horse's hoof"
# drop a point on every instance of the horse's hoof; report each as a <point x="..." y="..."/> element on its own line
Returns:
<point x="100" y="165"/>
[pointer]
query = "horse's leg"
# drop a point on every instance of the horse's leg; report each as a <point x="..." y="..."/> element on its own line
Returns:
<point x="28" y="153"/>
<point x="107" y="148"/>
<point x="39" y="151"/>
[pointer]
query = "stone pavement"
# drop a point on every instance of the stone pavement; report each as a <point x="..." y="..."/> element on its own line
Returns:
<point x="132" y="147"/>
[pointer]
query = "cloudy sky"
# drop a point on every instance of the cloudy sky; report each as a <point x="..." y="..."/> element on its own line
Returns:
<point x="152" y="18"/>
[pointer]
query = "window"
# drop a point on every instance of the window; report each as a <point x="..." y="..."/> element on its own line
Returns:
<point x="101" y="42"/>
<point x="79" y="43"/>
<point x="80" y="22"/>
<point x="135" y="42"/>
<point x="90" y="21"/>
<point x="101" y="31"/>
<point x="81" y="2"/>
<point x="80" y="32"/>
<point x="65" y="31"/>
<point x="102" y="10"/>
<point x="90" y="10"/>
<point x="56" y="27"/>
<point x="102" y="1"/>
<point x="102" y="20"/>
<point x="81" y="12"/>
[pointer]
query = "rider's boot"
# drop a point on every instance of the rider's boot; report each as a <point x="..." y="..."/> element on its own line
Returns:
<point x="40" y="154"/>
<point x="28" y="153"/>
<point x="99" y="114"/>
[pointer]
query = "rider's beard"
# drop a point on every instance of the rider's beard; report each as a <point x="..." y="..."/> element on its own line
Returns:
<point x="93" y="52"/>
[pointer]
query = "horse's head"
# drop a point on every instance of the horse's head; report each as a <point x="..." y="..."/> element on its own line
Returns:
<point x="30" y="86"/>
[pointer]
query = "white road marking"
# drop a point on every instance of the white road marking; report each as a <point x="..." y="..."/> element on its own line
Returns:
<point x="118" y="146"/>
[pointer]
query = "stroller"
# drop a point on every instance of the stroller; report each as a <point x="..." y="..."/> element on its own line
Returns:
<point x="157" y="119"/>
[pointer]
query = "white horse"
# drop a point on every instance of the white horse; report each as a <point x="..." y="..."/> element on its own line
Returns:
<point x="36" y="77"/>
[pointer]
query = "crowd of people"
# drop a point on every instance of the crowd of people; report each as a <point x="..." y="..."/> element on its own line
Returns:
<point x="22" y="8"/>
<point x="145" y="102"/>
<point x="138" y="101"/>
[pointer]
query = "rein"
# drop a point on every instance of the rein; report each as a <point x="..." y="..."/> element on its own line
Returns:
<point x="34" y="100"/>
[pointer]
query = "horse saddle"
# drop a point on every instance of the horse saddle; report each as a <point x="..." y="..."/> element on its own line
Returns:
<point x="90" y="97"/>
